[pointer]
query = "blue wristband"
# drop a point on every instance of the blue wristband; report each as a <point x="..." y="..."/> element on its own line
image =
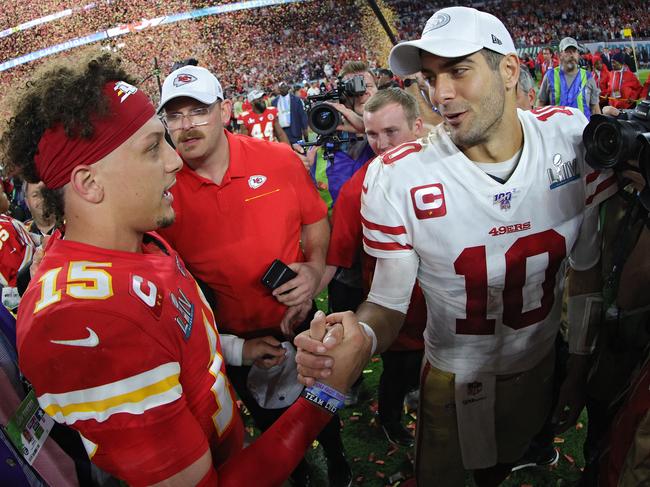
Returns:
<point x="324" y="396"/>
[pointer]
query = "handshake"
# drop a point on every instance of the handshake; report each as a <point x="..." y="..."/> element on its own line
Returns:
<point x="333" y="351"/>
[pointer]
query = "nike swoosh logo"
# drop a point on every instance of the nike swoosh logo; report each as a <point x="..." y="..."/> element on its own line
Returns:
<point x="91" y="341"/>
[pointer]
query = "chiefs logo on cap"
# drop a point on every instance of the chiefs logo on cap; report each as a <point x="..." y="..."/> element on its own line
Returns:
<point x="183" y="79"/>
<point x="429" y="201"/>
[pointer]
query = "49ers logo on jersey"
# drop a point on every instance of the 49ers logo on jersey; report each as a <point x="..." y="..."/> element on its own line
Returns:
<point x="429" y="201"/>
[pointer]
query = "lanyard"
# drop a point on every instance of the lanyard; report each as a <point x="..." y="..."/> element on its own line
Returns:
<point x="620" y="80"/>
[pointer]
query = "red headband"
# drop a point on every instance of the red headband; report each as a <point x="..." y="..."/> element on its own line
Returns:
<point x="58" y="154"/>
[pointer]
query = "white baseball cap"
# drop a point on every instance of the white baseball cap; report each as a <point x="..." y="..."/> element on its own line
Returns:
<point x="254" y="95"/>
<point x="191" y="81"/>
<point x="452" y="32"/>
<point x="568" y="42"/>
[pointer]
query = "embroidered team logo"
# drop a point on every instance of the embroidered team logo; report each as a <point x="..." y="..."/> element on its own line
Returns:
<point x="564" y="171"/>
<point x="183" y="79"/>
<point x="436" y="22"/>
<point x="256" y="181"/>
<point x="124" y="90"/>
<point x="504" y="199"/>
<point x="429" y="201"/>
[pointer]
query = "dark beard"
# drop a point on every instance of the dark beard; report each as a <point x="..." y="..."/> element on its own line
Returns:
<point x="165" y="221"/>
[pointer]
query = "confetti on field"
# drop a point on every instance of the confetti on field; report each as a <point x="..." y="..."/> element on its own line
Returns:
<point x="315" y="444"/>
<point x="569" y="459"/>
<point x="356" y="459"/>
<point x="359" y="479"/>
<point x="367" y="371"/>
<point x="379" y="474"/>
<point x="371" y="457"/>
<point x="557" y="439"/>
<point x="579" y="425"/>
<point x="374" y="360"/>
<point x="380" y="462"/>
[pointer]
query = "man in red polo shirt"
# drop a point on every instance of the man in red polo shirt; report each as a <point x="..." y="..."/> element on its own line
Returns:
<point x="254" y="203"/>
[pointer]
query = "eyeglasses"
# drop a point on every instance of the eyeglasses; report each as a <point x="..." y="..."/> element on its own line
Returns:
<point x="197" y="118"/>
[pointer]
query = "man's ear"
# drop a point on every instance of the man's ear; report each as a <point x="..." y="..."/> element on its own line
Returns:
<point x="226" y="110"/>
<point x="510" y="71"/>
<point x="85" y="184"/>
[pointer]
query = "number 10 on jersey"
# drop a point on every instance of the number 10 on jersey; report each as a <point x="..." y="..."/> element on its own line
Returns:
<point x="472" y="264"/>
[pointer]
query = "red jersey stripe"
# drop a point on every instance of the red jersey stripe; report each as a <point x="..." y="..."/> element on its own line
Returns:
<point x="385" y="245"/>
<point x="602" y="187"/>
<point x="400" y="230"/>
<point x="591" y="177"/>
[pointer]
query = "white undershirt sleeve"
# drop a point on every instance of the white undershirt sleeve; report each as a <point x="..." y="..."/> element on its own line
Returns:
<point x="393" y="282"/>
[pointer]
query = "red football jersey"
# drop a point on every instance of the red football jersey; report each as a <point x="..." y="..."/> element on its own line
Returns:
<point x="260" y="125"/>
<point x="16" y="249"/>
<point x="123" y="347"/>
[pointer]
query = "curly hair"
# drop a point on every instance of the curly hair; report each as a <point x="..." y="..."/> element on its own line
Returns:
<point x="66" y="91"/>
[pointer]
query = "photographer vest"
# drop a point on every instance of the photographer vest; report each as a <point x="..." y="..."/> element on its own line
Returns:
<point x="569" y="96"/>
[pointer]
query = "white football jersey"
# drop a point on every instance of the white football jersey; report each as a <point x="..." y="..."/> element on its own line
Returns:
<point x="492" y="256"/>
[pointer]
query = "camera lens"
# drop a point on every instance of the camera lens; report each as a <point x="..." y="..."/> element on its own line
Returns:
<point x="323" y="119"/>
<point x="607" y="140"/>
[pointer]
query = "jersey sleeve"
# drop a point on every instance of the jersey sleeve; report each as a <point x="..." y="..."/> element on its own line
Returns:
<point x="346" y="237"/>
<point x="101" y="374"/>
<point x="586" y="251"/>
<point x="385" y="233"/>
<point x="599" y="185"/>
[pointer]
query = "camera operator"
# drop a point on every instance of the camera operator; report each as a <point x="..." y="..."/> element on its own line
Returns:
<point x="345" y="290"/>
<point x="624" y="334"/>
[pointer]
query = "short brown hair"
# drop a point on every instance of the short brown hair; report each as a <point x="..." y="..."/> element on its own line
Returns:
<point x="394" y="95"/>
<point x="354" y="67"/>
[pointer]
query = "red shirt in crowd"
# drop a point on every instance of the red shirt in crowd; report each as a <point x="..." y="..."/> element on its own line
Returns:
<point x="625" y="88"/>
<point x="260" y="125"/>
<point x="16" y="250"/>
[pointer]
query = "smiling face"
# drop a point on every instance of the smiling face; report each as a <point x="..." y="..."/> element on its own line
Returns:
<point x="197" y="143"/>
<point x="469" y="95"/>
<point x="136" y="178"/>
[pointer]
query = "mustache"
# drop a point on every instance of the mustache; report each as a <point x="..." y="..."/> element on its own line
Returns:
<point x="191" y="134"/>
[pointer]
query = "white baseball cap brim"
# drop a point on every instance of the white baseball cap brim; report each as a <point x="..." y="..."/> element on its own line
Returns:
<point x="452" y="32"/>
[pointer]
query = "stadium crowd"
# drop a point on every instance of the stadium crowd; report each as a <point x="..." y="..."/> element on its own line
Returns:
<point x="506" y="142"/>
<point x="291" y="42"/>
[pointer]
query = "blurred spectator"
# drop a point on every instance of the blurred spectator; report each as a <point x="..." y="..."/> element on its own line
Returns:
<point x="262" y="121"/>
<point x="568" y="84"/>
<point x="291" y="114"/>
<point x="625" y="87"/>
<point x="603" y="78"/>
